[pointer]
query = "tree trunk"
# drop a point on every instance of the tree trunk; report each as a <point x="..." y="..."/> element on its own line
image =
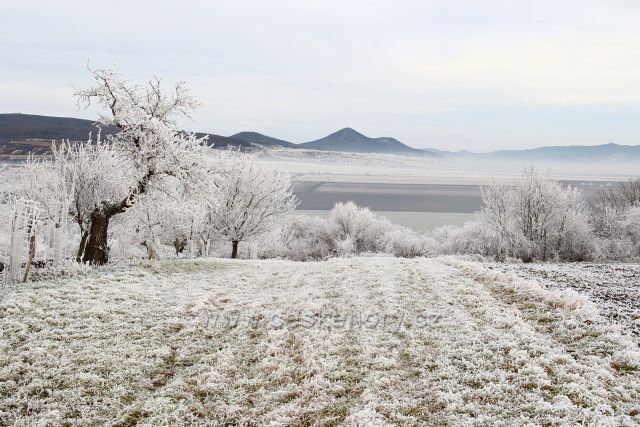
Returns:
<point x="57" y="244"/>
<point x="83" y="244"/>
<point x="179" y="245"/>
<point x="96" y="250"/>
<point x="234" y="250"/>
<point x="152" y="250"/>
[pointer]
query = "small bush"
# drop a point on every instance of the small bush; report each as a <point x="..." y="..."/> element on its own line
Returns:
<point x="67" y="268"/>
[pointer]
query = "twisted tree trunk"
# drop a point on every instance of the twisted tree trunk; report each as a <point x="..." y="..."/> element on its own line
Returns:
<point x="96" y="250"/>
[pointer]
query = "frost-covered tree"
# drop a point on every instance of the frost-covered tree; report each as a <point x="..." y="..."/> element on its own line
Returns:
<point x="7" y="216"/>
<point x="631" y="223"/>
<point x="621" y="196"/>
<point x="549" y="215"/>
<point x="170" y="218"/>
<point x="610" y="205"/>
<point x="43" y="183"/>
<point x="249" y="200"/>
<point x="148" y="140"/>
<point x="88" y="171"/>
<point x="534" y="217"/>
<point x="500" y="234"/>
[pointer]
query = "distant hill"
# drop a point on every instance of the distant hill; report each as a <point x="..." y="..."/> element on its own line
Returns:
<point x="15" y="127"/>
<point x="258" y="138"/>
<point x="350" y="140"/>
<point x="219" y="141"/>
<point x="561" y="153"/>
<point x="611" y="152"/>
<point x="21" y="134"/>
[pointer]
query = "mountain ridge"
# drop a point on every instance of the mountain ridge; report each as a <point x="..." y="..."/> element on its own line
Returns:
<point x="259" y="138"/>
<point x="21" y="134"/>
<point x="349" y="140"/>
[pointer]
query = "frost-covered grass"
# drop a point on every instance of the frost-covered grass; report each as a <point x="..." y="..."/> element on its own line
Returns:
<point x="356" y="341"/>
<point x="614" y="287"/>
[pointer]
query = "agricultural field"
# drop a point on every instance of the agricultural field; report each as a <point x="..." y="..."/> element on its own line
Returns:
<point x="614" y="287"/>
<point x="353" y="341"/>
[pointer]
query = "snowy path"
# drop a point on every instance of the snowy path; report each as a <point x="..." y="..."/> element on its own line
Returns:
<point x="361" y="341"/>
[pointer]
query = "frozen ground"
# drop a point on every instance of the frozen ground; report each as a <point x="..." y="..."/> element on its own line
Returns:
<point x="615" y="288"/>
<point x="360" y="341"/>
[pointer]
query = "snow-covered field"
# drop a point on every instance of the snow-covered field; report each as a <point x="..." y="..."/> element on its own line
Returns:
<point x="614" y="287"/>
<point x="356" y="341"/>
<point x="329" y="166"/>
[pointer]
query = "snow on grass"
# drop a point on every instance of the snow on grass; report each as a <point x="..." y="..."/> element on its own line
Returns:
<point x="614" y="287"/>
<point x="357" y="341"/>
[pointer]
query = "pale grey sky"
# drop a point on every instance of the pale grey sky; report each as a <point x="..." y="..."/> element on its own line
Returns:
<point x="456" y="74"/>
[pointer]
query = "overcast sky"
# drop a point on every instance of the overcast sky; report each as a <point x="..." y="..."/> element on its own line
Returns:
<point x="476" y="75"/>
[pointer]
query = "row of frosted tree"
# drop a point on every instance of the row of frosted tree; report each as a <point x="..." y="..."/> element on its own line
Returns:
<point x="152" y="190"/>
<point x="146" y="184"/>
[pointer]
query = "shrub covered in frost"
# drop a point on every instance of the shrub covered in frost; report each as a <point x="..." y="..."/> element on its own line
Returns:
<point x="631" y="223"/>
<point x="359" y="224"/>
<point x="66" y="268"/>
<point x="345" y="247"/>
<point x="404" y="242"/>
<point x="534" y="218"/>
<point x="615" y="218"/>
<point x="349" y="230"/>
